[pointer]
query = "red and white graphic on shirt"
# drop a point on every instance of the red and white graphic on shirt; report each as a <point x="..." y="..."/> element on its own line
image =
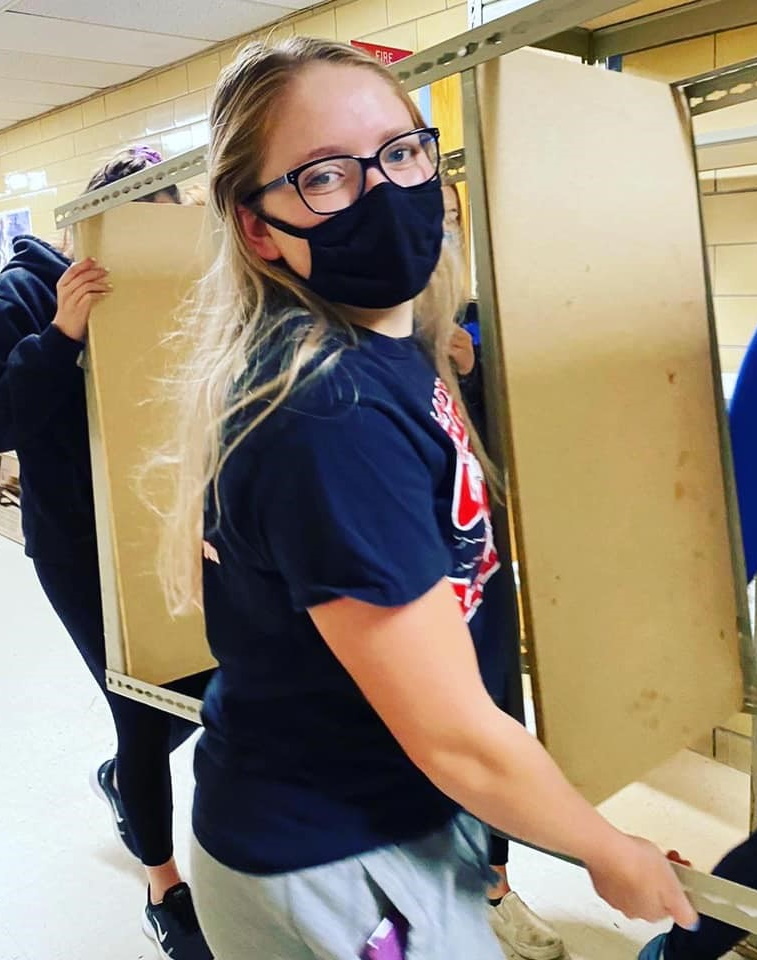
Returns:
<point x="476" y="558"/>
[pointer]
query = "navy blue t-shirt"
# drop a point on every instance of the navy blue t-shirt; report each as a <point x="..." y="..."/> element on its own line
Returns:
<point x="364" y="485"/>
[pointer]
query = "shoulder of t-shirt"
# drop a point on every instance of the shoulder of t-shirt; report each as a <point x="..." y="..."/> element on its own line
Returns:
<point x="338" y="383"/>
<point x="335" y="403"/>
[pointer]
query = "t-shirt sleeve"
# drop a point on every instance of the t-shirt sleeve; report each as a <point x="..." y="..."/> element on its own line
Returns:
<point x="344" y="507"/>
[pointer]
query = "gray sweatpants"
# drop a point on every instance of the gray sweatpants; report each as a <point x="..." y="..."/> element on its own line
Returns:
<point x="327" y="913"/>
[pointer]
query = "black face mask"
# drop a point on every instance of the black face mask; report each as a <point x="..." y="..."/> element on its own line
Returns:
<point x="379" y="252"/>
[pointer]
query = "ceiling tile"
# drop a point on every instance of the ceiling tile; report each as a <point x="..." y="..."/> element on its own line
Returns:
<point x="30" y="91"/>
<point x="97" y="44"/>
<point x="65" y="38"/>
<point x="219" y="20"/>
<point x="84" y="73"/>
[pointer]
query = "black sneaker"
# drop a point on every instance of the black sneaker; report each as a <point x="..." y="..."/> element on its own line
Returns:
<point x="172" y="925"/>
<point x="101" y="781"/>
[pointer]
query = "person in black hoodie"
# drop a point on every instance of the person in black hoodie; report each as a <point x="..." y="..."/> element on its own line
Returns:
<point x="45" y="302"/>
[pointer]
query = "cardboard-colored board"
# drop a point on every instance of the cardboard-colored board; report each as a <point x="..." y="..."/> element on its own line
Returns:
<point x="154" y="253"/>
<point x="619" y="500"/>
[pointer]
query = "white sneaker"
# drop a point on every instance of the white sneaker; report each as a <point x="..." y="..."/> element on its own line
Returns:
<point x="523" y="932"/>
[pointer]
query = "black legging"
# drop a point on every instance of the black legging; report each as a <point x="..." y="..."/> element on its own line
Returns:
<point x="714" y="938"/>
<point x="146" y="735"/>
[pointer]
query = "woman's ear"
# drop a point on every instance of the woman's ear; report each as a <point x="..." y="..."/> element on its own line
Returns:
<point x="257" y="235"/>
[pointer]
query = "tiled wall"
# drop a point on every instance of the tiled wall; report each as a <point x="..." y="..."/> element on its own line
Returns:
<point x="46" y="162"/>
<point x="730" y="207"/>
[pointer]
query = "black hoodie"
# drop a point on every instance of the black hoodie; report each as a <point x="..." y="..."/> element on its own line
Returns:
<point x="43" y="413"/>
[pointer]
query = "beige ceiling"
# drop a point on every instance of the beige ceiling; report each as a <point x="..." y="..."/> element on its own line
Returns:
<point x="54" y="52"/>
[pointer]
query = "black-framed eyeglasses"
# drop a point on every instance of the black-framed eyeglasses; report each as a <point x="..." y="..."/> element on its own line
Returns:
<point x="333" y="184"/>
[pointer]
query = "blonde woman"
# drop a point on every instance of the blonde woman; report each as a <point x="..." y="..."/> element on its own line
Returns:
<point x="349" y="562"/>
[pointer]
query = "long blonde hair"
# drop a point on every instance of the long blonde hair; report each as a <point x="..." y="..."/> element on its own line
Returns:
<point x="244" y="301"/>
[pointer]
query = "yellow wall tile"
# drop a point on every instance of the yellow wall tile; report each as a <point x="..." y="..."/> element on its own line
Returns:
<point x="90" y="138"/>
<point x="226" y="54"/>
<point x="61" y="122"/>
<point x="399" y="11"/>
<point x="731" y="359"/>
<point x="738" y="178"/>
<point x="736" y="319"/>
<point x="172" y="83"/>
<point x="72" y="171"/>
<point x="674" y="62"/>
<point x="200" y="133"/>
<point x="735" y="45"/>
<point x="93" y="111"/>
<point x="160" y="117"/>
<point x="355" y="20"/>
<point x="730" y="218"/>
<point x="106" y="138"/>
<point x="638" y="9"/>
<point x="176" y="142"/>
<point x="441" y="26"/>
<point x="736" y="270"/>
<point x="125" y="131"/>
<point x="203" y="71"/>
<point x="23" y="136"/>
<point x="707" y="183"/>
<point x="403" y="37"/>
<point x="134" y="96"/>
<point x="190" y="108"/>
<point x="321" y="25"/>
<point x="61" y="148"/>
<point x="28" y="158"/>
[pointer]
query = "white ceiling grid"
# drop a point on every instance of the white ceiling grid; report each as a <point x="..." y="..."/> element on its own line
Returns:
<point x="54" y="52"/>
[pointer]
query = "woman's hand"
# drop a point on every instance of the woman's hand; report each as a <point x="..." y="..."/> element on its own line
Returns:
<point x="633" y="876"/>
<point x="80" y="287"/>
<point x="461" y="351"/>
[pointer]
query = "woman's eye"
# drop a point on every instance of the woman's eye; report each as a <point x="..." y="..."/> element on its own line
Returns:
<point x="321" y="179"/>
<point x="400" y="154"/>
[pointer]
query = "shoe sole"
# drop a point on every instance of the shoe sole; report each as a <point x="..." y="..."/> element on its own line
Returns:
<point x="528" y="953"/>
<point x="96" y="787"/>
<point x="149" y="931"/>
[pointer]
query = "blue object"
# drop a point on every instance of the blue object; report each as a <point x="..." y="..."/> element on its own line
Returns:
<point x="742" y="417"/>
<point x="654" y="949"/>
<point x="42" y="406"/>
<point x="423" y="95"/>
<point x="471" y="323"/>
<point x="361" y="485"/>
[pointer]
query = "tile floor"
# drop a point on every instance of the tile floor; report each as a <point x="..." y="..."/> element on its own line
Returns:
<point x="68" y="892"/>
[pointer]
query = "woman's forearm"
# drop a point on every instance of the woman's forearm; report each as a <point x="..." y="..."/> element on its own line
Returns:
<point x="504" y="776"/>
